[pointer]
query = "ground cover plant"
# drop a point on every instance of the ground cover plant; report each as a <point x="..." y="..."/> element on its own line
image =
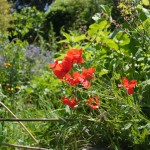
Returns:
<point x="94" y="90"/>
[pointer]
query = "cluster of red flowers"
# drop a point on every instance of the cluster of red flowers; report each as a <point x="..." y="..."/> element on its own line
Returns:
<point x="62" y="71"/>
<point x="80" y="78"/>
<point x="128" y="85"/>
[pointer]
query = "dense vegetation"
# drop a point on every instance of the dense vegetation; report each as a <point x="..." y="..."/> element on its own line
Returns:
<point x="80" y="70"/>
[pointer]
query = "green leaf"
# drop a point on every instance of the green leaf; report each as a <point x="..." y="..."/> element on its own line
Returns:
<point x="146" y="12"/>
<point x="67" y="108"/>
<point x="145" y="2"/>
<point x="146" y="25"/>
<point x="122" y="38"/>
<point x="106" y="9"/>
<point x="96" y="27"/>
<point x="63" y="41"/>
<point x="79" y="38"/>
<point x="102" y="72"/>
<point x="114" y="33"/>
<point x="127" y="126"/>
<point x="67" y="36"/>
<point x="96" y="17"/>
<point x="111" y="43"/>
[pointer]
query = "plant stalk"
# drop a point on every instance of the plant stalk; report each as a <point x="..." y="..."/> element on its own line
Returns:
<point x="19" y="122"/>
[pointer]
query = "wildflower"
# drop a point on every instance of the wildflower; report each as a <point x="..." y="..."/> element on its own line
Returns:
<point x="88" y="73"/>
<point x="71" y="103"/>
<point x="61" y="69"/>
<point x="129" y="85"/>
<point x="8" y="64"/>
<point x="10" y="89"/>
<point x="86" y="84"/>
<point x="93" y="102"/>
<point x="52" y="66"/>
<point x="72" y="81"/>
<point x="77" y="79"/>
<point x="76" y="55"/>
<point x="17" y="87"/>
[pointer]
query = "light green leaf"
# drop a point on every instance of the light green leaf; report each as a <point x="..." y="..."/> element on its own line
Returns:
<point x="96" y="27"/>
<point x="127" y="126"/>
<point x="79" y="38"/>
<point x="146" y="12"/>
<point x="111" y="43"/>
<point x="64" y="41"/>
<point x="96" y="17"/>
<point x="145" y="2"/>
<point x="122" y="39"/>
<point x="146" y="25"/>
<point x="67" y="36"/>
<point x="102" y="72"/>
<point x="67" y="108"/>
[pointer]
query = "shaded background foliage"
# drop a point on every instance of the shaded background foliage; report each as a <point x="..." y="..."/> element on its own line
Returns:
<point x="115" y="40"/>
<point x="5" y="15"/>
<point x="39" y="4"/>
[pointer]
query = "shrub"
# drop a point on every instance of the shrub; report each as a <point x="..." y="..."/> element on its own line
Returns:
<point x="28" y="24"/>
<point x="5" y="15"/>
<point x="71" y="14"/>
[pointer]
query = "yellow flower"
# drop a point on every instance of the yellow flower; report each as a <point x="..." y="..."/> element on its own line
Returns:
<point x="18" y="87"/>
<point x="10" y="89"/>
<point x="8" y="64"/>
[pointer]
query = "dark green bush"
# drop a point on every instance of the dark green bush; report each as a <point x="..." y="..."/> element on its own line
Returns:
<point x="71" y="14"/>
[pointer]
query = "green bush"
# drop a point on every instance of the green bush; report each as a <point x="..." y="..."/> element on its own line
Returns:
<point x="5" y="15"/>
<point x="71" y="14"/>
<point x="28" y="24"/>
<point x="118" y="80"/>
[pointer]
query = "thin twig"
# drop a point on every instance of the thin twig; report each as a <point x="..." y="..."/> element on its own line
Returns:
<point x="31" y="119"/>
<point x="24" y="147"/>
<point x="19" y="122"/>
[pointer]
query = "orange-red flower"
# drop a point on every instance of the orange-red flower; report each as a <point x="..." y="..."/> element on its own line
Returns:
<point x="77" y="79"/>
<point x="94" y="102"/>
<point x="52" y="66"/>
<point x="76" y="55"/>
<point x="88" y="73"/>
<point x="129" y="85"/>
<point x="61" y="69"/>
<point x="72" y="80"/>
<point x="71" y="103"/>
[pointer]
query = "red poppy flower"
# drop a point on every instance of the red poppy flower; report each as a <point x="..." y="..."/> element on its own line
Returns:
<point x="88" y="73"/>
<point x="76" y="55"/>
<point x="93" y="102"/>
<point x="59" y="73"/>
<point x="71" y="103"/>
<point x="61" y="69"/>
<point x="52" y="66"/>
<point x="129" y="85"/>
<point x="86" y="84"/>
<point x="72" y="81"/>
<point x="66" y="65"/>
<point x="82" y="79"/>
<point x="77" y="79"/>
